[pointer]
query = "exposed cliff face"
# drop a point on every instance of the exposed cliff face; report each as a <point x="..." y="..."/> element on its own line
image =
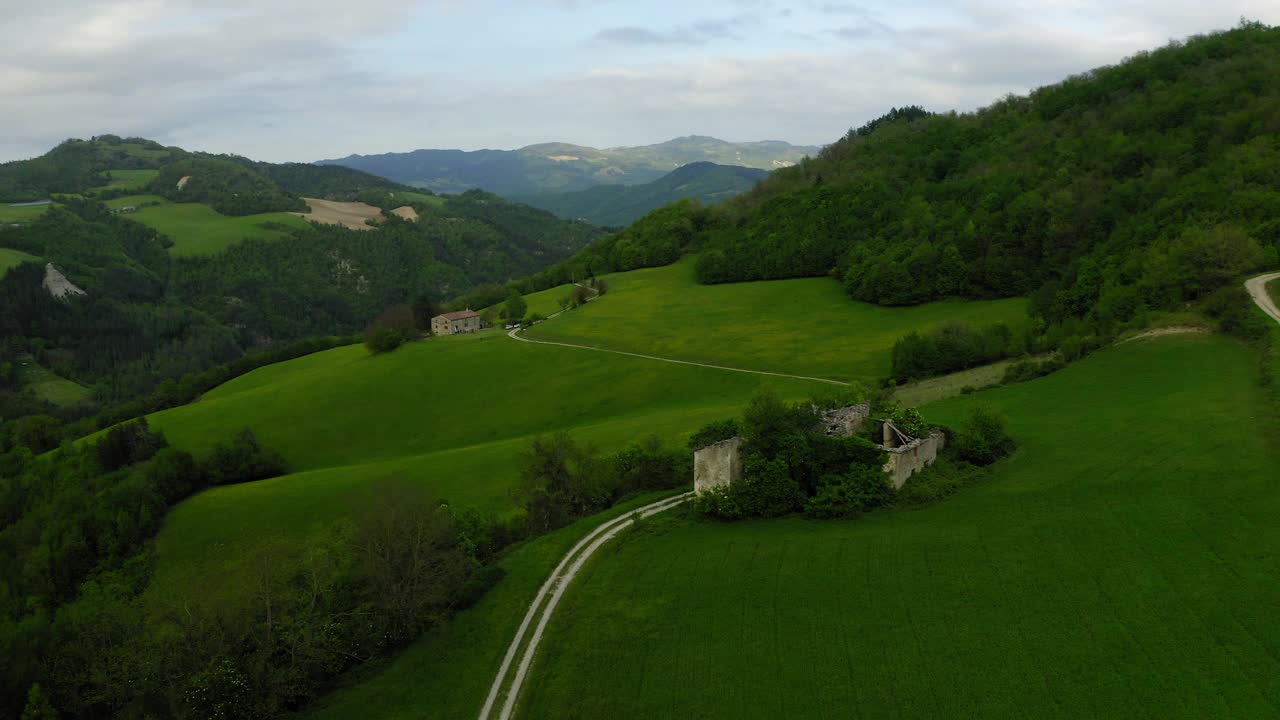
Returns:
<point x="57" y="284"/>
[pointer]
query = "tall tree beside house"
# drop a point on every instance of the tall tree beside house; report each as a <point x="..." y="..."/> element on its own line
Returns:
<point x="515" y="306"/>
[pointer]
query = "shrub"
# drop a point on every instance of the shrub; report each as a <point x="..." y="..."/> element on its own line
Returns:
<point x="1236" y="314"/>
<point x="477" y="585"/>
<point x="766" y="488"/>
<point x="243" y="460"/>
<point x="862" y="488"/>
<point x="983" y="438"/>
<point x="720" y="502"/>
<point x="383" y="340"/>
<point x="714" y="432"/>
<point x="943" y="478"/>
<point x="1030" y="370"/>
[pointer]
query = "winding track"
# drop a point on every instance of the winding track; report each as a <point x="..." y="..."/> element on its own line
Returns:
<point x="1257" y="287"/>
<point x="544" y="605"/>
<point x="514" y="335"/>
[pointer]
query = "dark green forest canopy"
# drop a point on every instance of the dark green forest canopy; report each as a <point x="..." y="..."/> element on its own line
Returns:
<point x="1111" y="188"/>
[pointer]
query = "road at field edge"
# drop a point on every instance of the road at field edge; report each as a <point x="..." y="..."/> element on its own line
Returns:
<point x="1257" y="287"/>
<point x="554" y="588"/>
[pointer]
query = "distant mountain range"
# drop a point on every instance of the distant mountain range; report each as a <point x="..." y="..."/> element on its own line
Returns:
<point x="618" y="205"/>
<point x="561" y="167"/>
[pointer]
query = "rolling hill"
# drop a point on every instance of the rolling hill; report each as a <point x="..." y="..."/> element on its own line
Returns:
<point x="561" y="167"/>
<point x="1098" y="573"/>
<point x="1106" y="193"/>
<point x="195" y="259"/>
<point x="617" y="205"/>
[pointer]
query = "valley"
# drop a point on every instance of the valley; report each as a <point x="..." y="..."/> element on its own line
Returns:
<point x="964" y="414"/>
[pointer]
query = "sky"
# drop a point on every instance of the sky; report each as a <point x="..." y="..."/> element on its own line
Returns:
<point x="294" y="80"/>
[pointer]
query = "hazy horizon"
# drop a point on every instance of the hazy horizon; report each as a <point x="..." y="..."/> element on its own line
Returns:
<point x="298" y="81"/>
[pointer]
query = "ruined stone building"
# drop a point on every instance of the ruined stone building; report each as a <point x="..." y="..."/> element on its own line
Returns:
<point x="721" y="463"/>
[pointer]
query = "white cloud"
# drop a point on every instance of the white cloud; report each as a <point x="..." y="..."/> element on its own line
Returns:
<point x="295" y="79"/>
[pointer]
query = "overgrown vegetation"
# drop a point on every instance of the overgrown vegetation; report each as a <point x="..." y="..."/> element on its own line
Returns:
<point x="563" y="480"/>
<point x="789" y="465"/>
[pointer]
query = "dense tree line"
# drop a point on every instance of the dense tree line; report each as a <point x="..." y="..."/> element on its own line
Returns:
<point x="329" y="182"/>
<point x="953" y="347"/>
<point x="224" y="185"/>
<point x="72" y="167"/>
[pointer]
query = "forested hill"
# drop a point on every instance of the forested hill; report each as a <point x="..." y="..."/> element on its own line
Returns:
<point x="1140" y="184"/>
<point x="617" y="205"/>
<point x="562" y="167"/>
<point x="150" y="315"/>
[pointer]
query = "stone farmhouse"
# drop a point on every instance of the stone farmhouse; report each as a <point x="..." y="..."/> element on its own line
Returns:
<point x="453" y="323"/>
<point x="721" y="463"/>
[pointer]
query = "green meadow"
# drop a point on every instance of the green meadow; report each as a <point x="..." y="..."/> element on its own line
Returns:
<point x="198" y="229"/>
<point x="131" y="179"/>
<point x="13" y="258"/>
<point x="53" y="387"/>
<point x="805" y="327"/>
<point x="1123" y="563"/>
<point x="452" y="413"/>
<point x="21" y="214"/>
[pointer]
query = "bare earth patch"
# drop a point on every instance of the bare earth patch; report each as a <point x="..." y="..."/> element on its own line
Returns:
<point x="1171" y="330"/>
<point x="406" y="212"/>
<point x="347" y="214"/>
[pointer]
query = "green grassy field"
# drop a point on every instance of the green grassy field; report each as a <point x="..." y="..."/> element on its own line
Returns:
<point x="1123" y="563"/>
<point x="13" y="258"/>
<point x="52" y="387"/>
<point x="198" y="229"/>
<point x="131" y="179"/>
<point x="14" y="214"/>
<point x="452" y="413"/>
<point x="804" y="327"/>
<point x="446" y="673"/>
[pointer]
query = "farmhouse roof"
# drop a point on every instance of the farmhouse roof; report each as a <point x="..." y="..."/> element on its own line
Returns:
<point x="459" y="315"/>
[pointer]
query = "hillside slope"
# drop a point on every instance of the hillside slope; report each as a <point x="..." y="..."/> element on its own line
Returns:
<point x="209" y="267"/>
<point x="561" y="167"/>
<point x="1098" y="573"/>
<point x="617" y="205"/>
<point x="1138" y="186"/>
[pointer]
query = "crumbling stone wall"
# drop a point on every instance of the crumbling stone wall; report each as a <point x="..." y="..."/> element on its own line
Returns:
<point x="717" y="465"/>
<point x="845" y="421"/>
<point x="907" y="460"/>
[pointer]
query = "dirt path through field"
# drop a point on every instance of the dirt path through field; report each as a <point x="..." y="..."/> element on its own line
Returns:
<point x="545" y="602"/>
<point x="1257" y="287"/>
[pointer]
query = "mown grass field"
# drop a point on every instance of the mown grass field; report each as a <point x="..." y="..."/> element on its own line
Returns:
<point x="1124" y="563"/>
<point x="804" y="327"/>
<point x="198" y="229"/>
<point x="21" y="214"/>
<point x="13" y="258"/>
<point x="452" y="413"/>
<point x="53" y="387"/>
